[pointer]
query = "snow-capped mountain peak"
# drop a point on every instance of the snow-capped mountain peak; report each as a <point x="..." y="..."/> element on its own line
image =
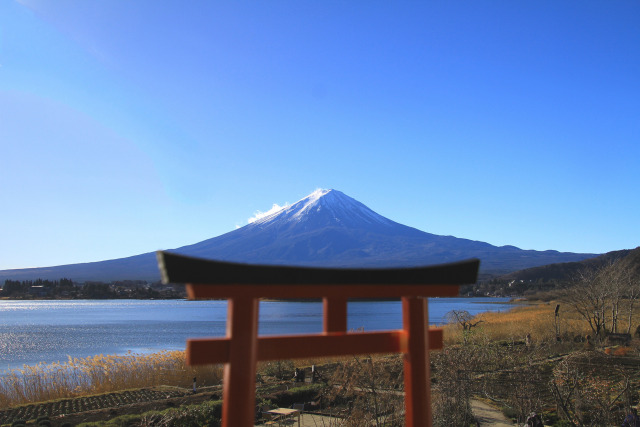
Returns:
<point x="326" y="228"/>
<point x="332" y="206"/>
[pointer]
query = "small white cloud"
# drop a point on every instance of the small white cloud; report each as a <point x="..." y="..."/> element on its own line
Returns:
<point x="259" y="214"/>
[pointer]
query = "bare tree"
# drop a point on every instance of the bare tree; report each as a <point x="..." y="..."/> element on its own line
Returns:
<point x="588" y="395"/>
<point x="369" y="384"/>
<point x="630" y="283"/>
<point x="589" y="296"/>
<point x="599" y="295"/>
<point x="464" y="319"/>
<point x="609" y="277"/>
<point x="453" y="385"/>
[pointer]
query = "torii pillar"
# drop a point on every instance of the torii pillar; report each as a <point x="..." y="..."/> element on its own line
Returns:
<point x="244" y="284"/>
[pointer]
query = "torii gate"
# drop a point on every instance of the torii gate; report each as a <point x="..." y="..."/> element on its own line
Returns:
<point x="244" y="284"/>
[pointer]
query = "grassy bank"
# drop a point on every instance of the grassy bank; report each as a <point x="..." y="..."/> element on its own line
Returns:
<point x="492" y="361"/>
<point x="537" y="320"/>
<point x="570" y="381"/>
<point x="101" y="374"/>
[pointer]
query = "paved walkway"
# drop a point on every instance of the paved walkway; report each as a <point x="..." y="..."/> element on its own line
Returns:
<point x="488" y="415"/>
<point x="312" y="420"/>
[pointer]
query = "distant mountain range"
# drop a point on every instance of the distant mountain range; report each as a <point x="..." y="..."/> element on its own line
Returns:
<point x="563" y="272"/>
<point x="326" y="228"/>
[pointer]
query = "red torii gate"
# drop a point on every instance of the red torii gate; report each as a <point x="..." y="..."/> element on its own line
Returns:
<point x="244" y="284"/>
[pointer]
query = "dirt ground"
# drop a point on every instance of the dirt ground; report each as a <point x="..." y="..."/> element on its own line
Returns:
<point x="489" y="416"/>
<point x="109" y="405"/>
<point x="486" y="414"/>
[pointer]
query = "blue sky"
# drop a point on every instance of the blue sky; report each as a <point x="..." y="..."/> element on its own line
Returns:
<point x="127" y="127"/>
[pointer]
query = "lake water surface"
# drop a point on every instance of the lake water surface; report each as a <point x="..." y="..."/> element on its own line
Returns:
<point x="49" y="331"/>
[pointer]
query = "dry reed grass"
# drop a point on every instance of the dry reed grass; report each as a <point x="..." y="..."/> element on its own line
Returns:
<point x="101" y="374"/>
<point x="538" y="320"/>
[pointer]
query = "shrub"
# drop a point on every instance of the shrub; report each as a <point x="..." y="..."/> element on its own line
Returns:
<point x="286" y="398"/>
<point x="510" y="413"/>
<point x="205" y="414"/>
<point x="121" y="421"/>
<point x="281" y="369"/>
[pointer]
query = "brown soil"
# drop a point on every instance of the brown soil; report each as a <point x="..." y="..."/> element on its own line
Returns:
<point x="109" y="405"/>
<point x="487" y="415"/>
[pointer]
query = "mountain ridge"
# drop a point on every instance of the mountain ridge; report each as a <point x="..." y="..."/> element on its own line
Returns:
<point x="326" y="228"/>
<point x="564" y="272"/>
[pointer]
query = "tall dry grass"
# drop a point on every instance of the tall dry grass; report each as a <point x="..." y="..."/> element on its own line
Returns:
<point x="536" y="320"/>
<point x="101" y="374"/>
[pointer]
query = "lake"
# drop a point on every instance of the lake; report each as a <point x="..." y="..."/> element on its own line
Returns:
<point x="49" y="331"/>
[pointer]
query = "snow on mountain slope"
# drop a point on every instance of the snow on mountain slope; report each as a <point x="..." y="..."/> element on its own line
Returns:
<point x="332" y="205"/>
<point x="329" y="228"/>
<point x="326" y="228"/>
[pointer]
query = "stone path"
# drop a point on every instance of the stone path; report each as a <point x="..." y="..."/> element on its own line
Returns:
<point x="488" y="415"/>
<point x="312" y="420"/>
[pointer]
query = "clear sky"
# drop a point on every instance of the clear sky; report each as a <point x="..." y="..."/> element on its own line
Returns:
<point x="131" y="126"/>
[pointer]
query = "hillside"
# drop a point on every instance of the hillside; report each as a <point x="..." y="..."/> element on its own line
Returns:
<point x="326" y="228"/>
<point x="566" y="271"/>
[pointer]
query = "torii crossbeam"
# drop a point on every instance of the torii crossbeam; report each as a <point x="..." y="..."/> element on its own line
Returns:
<point x="244" y="284"/>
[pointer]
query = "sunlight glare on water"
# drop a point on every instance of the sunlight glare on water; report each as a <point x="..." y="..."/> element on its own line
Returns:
<point x="49" y="331"/>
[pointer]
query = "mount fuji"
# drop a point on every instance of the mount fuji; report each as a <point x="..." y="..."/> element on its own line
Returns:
<point x="326" y="228"/>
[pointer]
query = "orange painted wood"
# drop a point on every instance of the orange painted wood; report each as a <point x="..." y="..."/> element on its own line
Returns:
<point x="204" y="291"/>
<point x="240" y="370"/>
<point x="207" y="351"/>
<point x="436" y="338"/>
<point x="244" y="284"/>
<point x="333" y="344"/>
<point x="417" y="398"/>
<point x="335" y="314"/>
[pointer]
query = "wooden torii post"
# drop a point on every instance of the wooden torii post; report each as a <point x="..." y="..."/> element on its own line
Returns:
<point x="244" y="284"/>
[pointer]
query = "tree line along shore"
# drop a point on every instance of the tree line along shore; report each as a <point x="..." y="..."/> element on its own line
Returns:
<point x="68" y="289"/>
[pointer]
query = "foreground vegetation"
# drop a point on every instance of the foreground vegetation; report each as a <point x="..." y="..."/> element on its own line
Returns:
<point x="101" y="374"/>
<point x="575" y="360"/>
<point x="571" y="360"/>
<point x="517" y="361"/>
<point x="569" y="381"/>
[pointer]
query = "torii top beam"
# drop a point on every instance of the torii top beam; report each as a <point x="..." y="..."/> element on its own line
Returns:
<point x="244" y="284"/>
